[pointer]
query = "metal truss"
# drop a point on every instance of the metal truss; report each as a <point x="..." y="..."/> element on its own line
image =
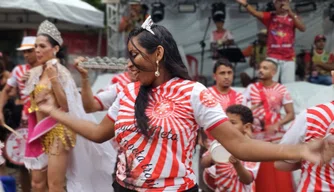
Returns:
<point x="114" y="11"/>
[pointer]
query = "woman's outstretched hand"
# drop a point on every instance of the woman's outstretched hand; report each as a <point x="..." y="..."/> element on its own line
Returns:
<point x="320" y="151"/>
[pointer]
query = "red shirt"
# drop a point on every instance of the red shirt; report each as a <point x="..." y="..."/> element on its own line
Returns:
<point x="281" y="36"/>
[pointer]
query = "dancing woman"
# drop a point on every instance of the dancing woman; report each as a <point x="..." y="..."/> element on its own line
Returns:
<point x="83" y="163"/>
<point x="156" y="123"/>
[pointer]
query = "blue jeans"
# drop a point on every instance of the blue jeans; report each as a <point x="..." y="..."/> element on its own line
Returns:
<point x="321" y="79"/>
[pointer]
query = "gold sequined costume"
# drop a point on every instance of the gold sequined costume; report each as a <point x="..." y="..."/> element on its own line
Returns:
<point x="59" y="133"/>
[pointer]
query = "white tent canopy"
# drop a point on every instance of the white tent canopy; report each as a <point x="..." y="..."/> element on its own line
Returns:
<point x="73" y="11"/>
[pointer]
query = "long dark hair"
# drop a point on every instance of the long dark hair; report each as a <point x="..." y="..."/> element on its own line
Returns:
<point x="2" y="66"/>
<point x="61" y="53"/>
<point x="171" y="61"/>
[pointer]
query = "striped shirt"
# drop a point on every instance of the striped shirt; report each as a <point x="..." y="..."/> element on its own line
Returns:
<point x="163" y="161"/>
<point x="16" y="80"/>
<point x="227" y="179"/>
<point x="107" y="97"/>
<point x="277" y="96"/>
<point x="228" y="99"/>
<point x="313" y="123"/>
<point x="123" y="79"/>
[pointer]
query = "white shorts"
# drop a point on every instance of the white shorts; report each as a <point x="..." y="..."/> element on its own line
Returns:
<point x="286" y="71"/>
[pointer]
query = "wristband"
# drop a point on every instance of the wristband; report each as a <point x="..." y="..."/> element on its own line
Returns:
<point x="246" y="5"/>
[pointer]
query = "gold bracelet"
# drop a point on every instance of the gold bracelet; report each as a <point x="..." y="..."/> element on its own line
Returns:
<point x="84" y="79"/>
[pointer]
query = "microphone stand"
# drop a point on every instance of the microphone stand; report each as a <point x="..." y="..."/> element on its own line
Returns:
<point x="202" y="43"/>
<point x="253" y="58"/>
<point x="311" y="61"/>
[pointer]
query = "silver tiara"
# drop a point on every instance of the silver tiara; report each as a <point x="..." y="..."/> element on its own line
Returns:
<point x="148" y="24"/>
<point x="48" y="28"/>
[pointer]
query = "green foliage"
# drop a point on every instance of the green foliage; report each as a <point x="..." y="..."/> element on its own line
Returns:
<point x="97" y="4"/>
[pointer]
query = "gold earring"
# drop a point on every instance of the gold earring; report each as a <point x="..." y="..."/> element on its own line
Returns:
<point x="157" y="73"/>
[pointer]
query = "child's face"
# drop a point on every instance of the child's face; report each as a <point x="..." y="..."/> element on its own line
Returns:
<point x="235" y="119"/>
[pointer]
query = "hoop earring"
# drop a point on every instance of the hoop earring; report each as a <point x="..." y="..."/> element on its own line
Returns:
<point x="157" y="73"/>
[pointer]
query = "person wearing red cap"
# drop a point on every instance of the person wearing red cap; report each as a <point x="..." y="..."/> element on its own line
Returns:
<point x="322" y="62"/>
<point x="281" y="26"/>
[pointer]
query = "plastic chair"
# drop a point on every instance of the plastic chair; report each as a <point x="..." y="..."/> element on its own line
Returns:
<point x="193" y="70"/>
<point x="193" y="66"/>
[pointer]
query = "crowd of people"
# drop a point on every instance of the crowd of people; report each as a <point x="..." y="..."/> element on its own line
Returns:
<point x="156" y="115"/>
<point x="277" y="42"/>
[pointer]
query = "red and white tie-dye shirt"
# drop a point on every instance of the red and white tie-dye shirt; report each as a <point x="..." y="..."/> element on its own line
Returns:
<point x="123" y="79"/>
<point x="16" y="80"/>
<point x="107" y="97"/>
<point x="313" y="123"/>
<point x="226" y="100"/>
<point x="227" y="179"/>
<point x="277" y="96"/>
<point x="163" y="161"/>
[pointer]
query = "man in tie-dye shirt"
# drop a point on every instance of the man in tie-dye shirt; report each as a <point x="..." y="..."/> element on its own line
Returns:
<point x="267" y="98"/>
